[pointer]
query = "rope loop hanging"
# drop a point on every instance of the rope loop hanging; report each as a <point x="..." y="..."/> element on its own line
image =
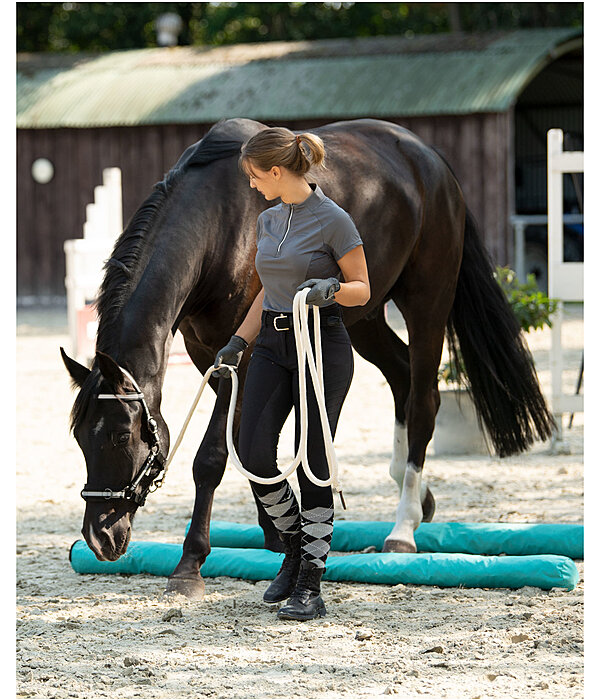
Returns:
<point x="306" y="356"/>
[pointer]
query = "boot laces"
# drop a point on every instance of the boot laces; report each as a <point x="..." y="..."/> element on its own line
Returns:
<point x="308" y="580"/>
<point x="291" y="560"/>
<point x="289" y="563"/>
<point x="291" y="549"/>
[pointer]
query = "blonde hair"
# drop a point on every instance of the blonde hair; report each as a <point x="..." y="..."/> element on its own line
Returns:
<point x="280" y="146"/>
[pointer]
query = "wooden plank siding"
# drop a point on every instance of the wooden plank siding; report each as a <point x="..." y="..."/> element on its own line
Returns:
<point x="478" y="147"/>
<point x="48" y="215"/>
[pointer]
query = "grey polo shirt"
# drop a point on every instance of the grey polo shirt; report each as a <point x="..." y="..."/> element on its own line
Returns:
<point x="297" y="242"/>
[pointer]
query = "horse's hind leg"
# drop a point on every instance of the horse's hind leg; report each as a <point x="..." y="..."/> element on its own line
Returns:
<point x="377" y="343"/>
<point x="425" y="304"/>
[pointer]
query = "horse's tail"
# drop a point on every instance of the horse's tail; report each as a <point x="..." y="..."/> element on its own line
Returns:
<point x="498" y="365"/>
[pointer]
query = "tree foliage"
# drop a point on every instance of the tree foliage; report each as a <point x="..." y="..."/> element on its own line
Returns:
<point x="108" y="26"/>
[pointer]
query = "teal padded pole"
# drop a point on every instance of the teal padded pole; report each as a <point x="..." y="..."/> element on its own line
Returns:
<point x="157" y="558"/>
<point x="449" y="570"/>
<point x="442" y="569"/>
<point x="563" y="539"/>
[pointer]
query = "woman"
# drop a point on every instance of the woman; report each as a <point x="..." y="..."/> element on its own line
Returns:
<point x="304" y="241"/>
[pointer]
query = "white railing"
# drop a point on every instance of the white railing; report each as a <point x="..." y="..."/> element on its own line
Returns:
<point x="565" y="279"/>
<point x="520" y="222"/>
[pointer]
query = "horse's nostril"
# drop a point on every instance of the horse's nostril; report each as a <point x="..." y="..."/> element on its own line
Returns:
<point x="107" y="543"/>
<point x="97" y="538"/>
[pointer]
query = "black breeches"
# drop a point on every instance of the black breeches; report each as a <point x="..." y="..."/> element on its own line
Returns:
<point x="271" y="390"/>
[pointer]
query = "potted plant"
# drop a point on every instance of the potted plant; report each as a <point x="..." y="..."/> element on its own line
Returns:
<point x="457" y="430"/>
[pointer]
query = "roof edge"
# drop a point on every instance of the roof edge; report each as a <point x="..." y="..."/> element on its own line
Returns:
<point x="554" y="54"/>
<point x="50" y="94"/>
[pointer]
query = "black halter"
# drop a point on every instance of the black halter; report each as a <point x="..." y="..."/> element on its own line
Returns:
<point x="152" y="473"/>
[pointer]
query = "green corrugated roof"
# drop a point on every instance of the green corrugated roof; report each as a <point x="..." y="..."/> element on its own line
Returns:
<point x="378" y="77"/>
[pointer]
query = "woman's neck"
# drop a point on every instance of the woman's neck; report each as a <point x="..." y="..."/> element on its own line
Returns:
<point x="296" y="193"/>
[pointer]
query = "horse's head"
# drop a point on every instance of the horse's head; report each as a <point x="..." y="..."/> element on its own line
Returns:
<point x="112" y="424"/>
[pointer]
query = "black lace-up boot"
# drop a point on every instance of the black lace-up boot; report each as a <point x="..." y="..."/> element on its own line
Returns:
<point x="284" y="583"/>
<point x="305" y="603"/>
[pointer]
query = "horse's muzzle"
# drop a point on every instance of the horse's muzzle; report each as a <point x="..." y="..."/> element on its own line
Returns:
<point x="108" y="537"/>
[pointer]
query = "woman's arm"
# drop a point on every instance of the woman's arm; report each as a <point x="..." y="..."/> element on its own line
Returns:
<point x="356" y="291"/>
<point x="251" y="324"/>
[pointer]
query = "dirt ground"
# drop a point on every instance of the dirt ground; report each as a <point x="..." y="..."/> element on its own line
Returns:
<point x="92" y="636"/>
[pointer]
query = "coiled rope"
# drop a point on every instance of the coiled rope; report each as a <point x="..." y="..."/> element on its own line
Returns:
<point x="305" y="354"/>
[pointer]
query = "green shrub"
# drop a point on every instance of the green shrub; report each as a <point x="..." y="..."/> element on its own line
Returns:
<point x="532" y="308"/>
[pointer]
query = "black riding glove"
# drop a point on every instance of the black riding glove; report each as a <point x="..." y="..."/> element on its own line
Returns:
<point x="321" y="291"/>
<point x="231" y="354"/>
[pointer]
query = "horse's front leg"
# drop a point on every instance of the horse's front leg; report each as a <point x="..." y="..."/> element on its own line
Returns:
<point x="208" y="470"/>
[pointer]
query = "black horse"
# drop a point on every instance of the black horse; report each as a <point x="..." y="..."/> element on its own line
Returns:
<point x="186" y="261"/>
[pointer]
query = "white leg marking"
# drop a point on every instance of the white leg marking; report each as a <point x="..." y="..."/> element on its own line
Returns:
<point x="399" y="453"/>
<point x="409" y="512"/>
<point x="400" y="457"/>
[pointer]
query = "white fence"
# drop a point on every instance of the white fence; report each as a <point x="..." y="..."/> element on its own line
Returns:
<point x="520" y="223"/>
<point x="565" y="279"/>
<point x="85" y="259"/>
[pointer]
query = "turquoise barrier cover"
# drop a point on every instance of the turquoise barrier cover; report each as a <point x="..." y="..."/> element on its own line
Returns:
<point x="471" y="571"/>
<point x="564" y="539"/>
<point x="157" y="558"/>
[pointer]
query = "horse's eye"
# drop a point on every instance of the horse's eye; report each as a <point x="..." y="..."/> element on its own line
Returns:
<point x="120" y="439"/>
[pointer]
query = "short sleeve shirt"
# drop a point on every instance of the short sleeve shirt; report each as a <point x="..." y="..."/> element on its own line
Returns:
<point x="297" y="242"/>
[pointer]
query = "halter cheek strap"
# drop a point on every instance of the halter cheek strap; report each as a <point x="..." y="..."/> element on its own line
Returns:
<point x="129" y="492"/>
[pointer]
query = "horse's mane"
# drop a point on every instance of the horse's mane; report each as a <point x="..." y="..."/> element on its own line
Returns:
<point x="121" y="269"/>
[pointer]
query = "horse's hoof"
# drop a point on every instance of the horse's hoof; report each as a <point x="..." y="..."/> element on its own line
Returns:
<point x="191" y="586"/>
<point x="399" y="546"/>
<point x="428" y="505"/>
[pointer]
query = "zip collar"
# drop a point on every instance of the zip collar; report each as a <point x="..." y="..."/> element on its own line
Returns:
<point x="312" y="201"/>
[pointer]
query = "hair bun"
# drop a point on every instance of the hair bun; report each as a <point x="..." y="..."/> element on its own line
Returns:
<point x="273" y="146"/>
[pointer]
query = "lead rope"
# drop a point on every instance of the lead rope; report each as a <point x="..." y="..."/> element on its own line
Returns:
<point x="304" y="352"/>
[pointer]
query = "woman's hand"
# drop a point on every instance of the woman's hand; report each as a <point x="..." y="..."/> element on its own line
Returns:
<point x="321" y="291"/>
<point x="231" y="354"/>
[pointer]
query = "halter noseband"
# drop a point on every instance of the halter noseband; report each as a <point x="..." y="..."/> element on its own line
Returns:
<point x="129" y="493"/>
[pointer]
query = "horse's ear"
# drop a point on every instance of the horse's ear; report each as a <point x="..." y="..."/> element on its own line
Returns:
<point x="109" y="369"/>
<point x="78" y="372"/>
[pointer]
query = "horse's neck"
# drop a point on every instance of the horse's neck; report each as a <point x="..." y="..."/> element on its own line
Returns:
<point x="148" y="317"/>
<point x="180" y="261"/>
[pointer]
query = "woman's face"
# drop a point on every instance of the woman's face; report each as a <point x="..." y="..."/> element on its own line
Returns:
<point x="265" y="181"/>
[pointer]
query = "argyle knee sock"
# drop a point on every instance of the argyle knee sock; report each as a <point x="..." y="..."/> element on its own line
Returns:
<point x="317" y="528"/>
<point x="281" y="505"/>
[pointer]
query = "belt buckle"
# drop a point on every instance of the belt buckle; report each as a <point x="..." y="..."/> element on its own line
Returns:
<point x="275" y="323"/>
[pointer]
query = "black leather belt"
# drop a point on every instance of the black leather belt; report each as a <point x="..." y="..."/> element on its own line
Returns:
<point x="329" y="316"/>
<point x="284" y="320"/>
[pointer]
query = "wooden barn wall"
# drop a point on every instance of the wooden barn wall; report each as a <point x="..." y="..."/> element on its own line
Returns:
<point x="48" y="215"/>
<point x="478" y="147"/>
